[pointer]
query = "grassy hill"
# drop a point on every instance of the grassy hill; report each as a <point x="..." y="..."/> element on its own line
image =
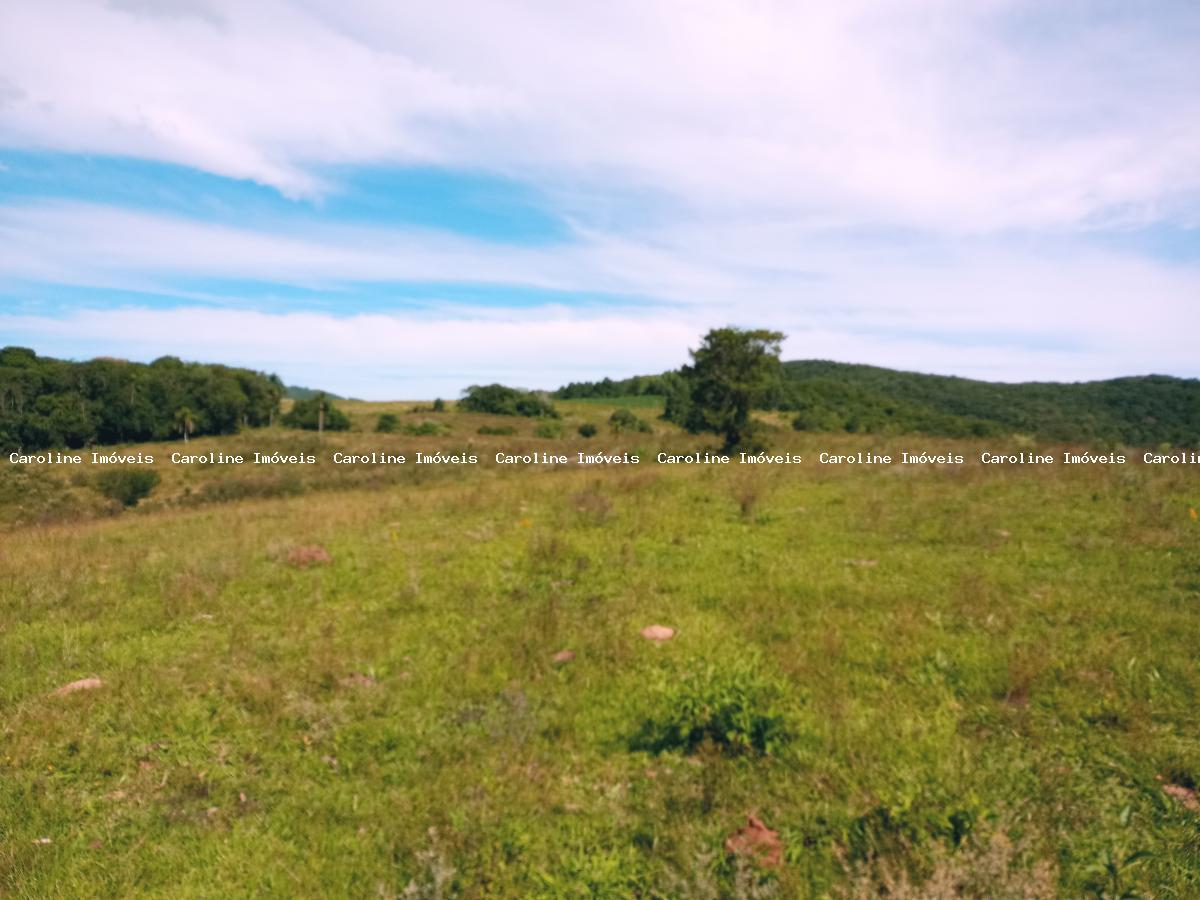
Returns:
<point x="319" y="680"/>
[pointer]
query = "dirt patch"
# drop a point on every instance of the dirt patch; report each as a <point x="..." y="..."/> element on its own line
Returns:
<point x="563" y="656"/>
<point x="357" y="680"/>
<point x="308" y="555"/>
<point x="756" y="842"/>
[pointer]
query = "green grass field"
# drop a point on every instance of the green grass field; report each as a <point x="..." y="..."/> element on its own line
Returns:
<point x="934" y="681"/>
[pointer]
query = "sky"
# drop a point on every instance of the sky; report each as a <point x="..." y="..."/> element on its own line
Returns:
<point x="398" y="200"/>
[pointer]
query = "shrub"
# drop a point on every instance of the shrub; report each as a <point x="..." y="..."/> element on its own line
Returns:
<point x="127" y="485"/>
<point x="388" y="423"/>
<point x="734" y="706"/>
<point x="624" y="420"/>
<point x="496" y="429"/>
<point x="439" y="405"/>
<point x="425" y="427"/>
<point x="587" y="430"/>
<point x="548" y="430"/>
<point x="505" y="401"/>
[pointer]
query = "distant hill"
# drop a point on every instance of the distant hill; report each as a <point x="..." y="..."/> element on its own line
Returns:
<point x="830" y="396"/>
<point x="1141" y="410"/>
<point x="293" y="392"/>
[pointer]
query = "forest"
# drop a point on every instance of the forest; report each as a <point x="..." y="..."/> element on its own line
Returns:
<point x="48" y="402"/>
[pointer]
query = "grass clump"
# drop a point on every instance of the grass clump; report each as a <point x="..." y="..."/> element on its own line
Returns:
<point x="548" y="430"/>
<point x="736" y="706"/>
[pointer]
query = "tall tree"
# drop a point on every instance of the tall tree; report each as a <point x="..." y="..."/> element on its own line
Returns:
<point x="731" y="372"/>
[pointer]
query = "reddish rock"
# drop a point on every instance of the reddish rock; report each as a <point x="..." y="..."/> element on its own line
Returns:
<point x="563" y="656"/>
<point x="658" y="633"/>
<point x="83" y="684"/>
<point x="756" y="842"/>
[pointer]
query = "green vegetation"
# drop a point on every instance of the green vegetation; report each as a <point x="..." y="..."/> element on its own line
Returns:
<point x="827" y="396"/>
<point x="388" y="423"/>
<point x="52" y="403"/>
<point x="587" y="430"/>
<point x="549" y="429"/>
<point x="732" y="372"/>
<point x="127" y="486"/>
<point x="1142" y="411"/>
<point x="317" y="413"/>
<point x="346" y="680"/>
<point x="292" y="392"/>
<point x="624" y="420"/>
<point x="496" y="399"/>
<point x="653" y="386"/>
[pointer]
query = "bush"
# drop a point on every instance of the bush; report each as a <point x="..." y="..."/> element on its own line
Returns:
<point x="624" y="420"/>
<point x="425" y="427"/>
<point x="548" y="430"/>
<point x="505" y="401"/>
<point x="388" y="423"/>
<point x="439" y="405"/>
<point x="496" y="429"/>
<point x="734" y="706"/>
<point x="587" y="429"/>
<point x="127" y="485"/>
<point x="306" y="414"/>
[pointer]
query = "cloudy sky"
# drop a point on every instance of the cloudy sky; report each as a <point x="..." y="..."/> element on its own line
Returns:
<point x="399" y="199"/>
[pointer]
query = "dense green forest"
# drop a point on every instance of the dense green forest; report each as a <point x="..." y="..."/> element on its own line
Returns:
<point x="831" y="396"/>
<point x="54" y="403"/>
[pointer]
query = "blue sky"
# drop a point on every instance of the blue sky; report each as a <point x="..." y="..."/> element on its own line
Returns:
<point x="377" y="199"/>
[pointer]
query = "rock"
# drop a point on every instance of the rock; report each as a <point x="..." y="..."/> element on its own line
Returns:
<point x="563" y="656"/>
<point x="312" y="554"/>
<point x="1185" y="796"/>
<point x="757" y="842"/>
<point x="83" y="684"/>
<point x="357" y="679"/>
<point x="658" y="633"/>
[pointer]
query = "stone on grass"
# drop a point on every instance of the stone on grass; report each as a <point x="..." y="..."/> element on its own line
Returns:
<point x="83" y="684"/>
<point x="658" y="633"/>
<point x="563" y="656"/>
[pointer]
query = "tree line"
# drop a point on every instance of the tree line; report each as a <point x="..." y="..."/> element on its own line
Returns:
<point x="48" y="402"/>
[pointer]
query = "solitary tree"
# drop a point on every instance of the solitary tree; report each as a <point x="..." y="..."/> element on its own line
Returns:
<point x="731" y="372"/>
<point x="185" y="422"/>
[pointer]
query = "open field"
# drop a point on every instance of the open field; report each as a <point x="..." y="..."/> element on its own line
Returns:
<point x="981" y="676"/>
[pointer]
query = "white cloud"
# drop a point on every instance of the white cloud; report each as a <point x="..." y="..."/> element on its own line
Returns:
<point x="1010" y="313"/>
<point x="960" y="117"/>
